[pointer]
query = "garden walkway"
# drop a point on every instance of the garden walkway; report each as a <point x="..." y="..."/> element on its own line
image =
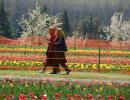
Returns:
<point x="74" y="76"/>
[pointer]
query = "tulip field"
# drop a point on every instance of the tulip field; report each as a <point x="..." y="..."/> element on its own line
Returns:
<point x="32" y="58"/>
<point x="27" y="58"/>
<point x="47" y="89"/>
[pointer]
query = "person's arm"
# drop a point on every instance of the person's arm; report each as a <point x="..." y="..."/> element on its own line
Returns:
<point x="58" y="42"/>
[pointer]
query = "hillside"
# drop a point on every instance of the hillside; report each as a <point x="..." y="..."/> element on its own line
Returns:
<point x="77" y="9"/>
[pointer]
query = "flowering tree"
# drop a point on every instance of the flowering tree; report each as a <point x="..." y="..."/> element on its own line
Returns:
<point x="119" y="28"/>
<point x="37" y="23"/>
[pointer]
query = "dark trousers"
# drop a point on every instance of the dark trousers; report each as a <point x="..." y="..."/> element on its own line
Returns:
<point x="64" y="66"/>
<point x="56" y="68"/>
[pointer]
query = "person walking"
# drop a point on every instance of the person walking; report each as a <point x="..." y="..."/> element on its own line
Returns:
<point x="60" y="49"/>
<point x="50" y="53"/>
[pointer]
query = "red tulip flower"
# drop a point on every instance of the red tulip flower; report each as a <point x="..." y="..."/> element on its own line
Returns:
<point x="43" y="97"/>
<point x="68" y="95"/>
<point x="121" y="98"/>
<point x="9" y="97"/>
<point x="57" y="95"/>
<point x="32" y="96"/>
<point x="100" y="97"/>
<point x="78" y="97"/>
<point x="70" y="98"/>
<point x="22" y="97"/>
<point x="89" y="96"/>
<point x="110" y="97"/>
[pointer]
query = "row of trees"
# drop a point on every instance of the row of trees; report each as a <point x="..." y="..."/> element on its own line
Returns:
<point x="5" y="28"/>
<point x="37" y="21"/>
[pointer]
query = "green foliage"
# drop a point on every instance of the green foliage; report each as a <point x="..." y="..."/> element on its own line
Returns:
<point x="5" y="28"/>
<point x="31" y="88"/>
<point x="91" y="27"/>
<point x="44" y="9"/>
<point x="66" y="24"/>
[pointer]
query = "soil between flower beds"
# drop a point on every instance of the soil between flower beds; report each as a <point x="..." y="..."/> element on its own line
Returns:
<point x="61" y="89"/>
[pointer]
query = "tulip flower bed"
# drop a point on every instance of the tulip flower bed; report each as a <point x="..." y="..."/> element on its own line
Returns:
<point x="32" y="58"/>
<point x="37" y="65"/>
<point x="47" y="89"/>
<point x="72" y="51"/>
<point x="71" y="59"/>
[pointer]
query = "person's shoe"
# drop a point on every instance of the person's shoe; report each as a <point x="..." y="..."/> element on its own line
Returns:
<point x="54" y="72"/>
<point x="41" y="71"/>
<point x="68" y="72"/>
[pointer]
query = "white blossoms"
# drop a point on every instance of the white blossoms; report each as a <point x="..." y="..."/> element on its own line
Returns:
<point x="37" y="23"/>
<point x="119" y="28"/>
